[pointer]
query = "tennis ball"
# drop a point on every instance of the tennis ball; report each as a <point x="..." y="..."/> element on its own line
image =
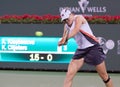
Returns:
<point x="38" y="33"/>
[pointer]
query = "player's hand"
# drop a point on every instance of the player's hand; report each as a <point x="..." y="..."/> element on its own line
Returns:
<point x="62" y="42"/>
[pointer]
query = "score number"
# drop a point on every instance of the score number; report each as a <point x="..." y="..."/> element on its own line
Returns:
<point x="37" y="57"/>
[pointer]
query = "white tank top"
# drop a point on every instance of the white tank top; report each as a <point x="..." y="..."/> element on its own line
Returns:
<point x="81" y="38"/>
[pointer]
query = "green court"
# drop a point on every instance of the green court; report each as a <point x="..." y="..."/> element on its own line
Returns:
<point x="13" y="78"/>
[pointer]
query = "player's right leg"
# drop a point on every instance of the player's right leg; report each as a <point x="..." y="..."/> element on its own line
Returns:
<point x="101" y="69"/>
<point x="73" y="67"/>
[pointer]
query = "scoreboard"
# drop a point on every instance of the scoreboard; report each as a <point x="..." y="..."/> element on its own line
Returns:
<point x="35" y="50"/>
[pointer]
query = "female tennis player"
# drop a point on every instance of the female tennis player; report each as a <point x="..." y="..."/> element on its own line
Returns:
<point x="88" y="51"/>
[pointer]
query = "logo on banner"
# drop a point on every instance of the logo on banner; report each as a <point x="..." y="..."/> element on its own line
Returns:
<point x="85" y="6"/>
<point x="106" y="44"/>
<point x="118" y="47"/>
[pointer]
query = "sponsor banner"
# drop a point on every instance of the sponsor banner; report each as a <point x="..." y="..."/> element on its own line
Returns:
<point x="86" y="7"/>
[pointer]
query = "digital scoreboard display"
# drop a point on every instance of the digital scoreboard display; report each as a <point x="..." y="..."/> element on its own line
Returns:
<point x="35" y="49"/>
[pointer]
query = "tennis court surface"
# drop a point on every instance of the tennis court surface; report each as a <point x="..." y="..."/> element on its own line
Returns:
<point x="13" y="78"/>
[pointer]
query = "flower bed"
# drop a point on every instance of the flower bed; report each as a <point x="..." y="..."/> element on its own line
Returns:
<point x="55" y="19"/>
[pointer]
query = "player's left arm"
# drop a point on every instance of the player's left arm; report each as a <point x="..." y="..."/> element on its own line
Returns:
<point x="78" y="23"/>
<point x="63" y="39"/>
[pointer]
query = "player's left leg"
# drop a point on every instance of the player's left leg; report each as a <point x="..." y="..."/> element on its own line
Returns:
<point x="101" y="69"/>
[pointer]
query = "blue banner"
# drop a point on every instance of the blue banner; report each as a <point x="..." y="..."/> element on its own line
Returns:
<point x="35" y="49"/>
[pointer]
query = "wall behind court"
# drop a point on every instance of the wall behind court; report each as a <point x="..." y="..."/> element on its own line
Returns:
<point x="108" y="33"/>
<point x="87" y="7"/>
<point x="42" y="7"/>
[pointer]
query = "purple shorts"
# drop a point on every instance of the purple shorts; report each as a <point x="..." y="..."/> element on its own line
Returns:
<point x="92" y="55"/>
